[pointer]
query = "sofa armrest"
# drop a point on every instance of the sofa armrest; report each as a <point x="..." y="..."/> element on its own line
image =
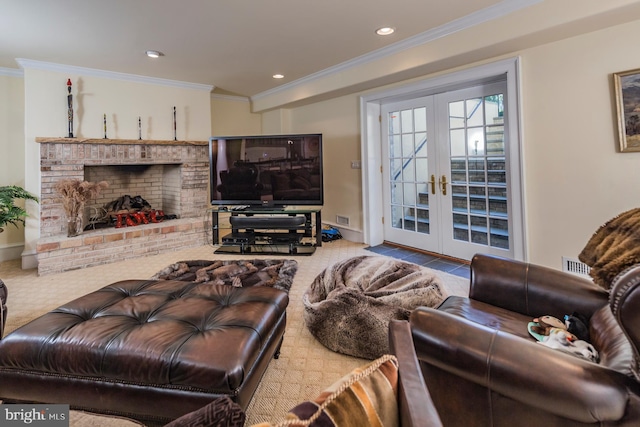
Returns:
<point x="415" y="405"/>
<point x="3" y="307"/>
<point x="516" y="368"/>
<point x="532" y="290"/>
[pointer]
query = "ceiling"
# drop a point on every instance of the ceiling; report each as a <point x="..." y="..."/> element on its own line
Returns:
<point x="235" y="46"/>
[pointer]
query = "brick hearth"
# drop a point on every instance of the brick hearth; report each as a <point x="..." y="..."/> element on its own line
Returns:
<point x="66" y="158"/>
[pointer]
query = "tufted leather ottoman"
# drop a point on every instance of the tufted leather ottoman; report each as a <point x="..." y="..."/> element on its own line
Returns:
<point x="146" y="349"/>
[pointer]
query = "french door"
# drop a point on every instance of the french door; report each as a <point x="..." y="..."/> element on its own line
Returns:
<point x="445" y="173"/>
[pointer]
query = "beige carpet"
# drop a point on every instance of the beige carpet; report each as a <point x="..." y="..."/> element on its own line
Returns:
<point x="304" y="368"/>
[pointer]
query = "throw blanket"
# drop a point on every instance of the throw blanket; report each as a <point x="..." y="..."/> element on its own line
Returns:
<point x="241" y="273"/>
<point x="614" y="247"/>
<point x="349" y="305"/>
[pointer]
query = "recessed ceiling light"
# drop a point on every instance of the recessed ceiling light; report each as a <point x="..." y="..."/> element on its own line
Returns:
<point x="278" y="76"/>
<point x="154" y="54"/>
<point x="385" y="31"/>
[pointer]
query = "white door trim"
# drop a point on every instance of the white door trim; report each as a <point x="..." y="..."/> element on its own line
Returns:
<point x="371" y="141"/>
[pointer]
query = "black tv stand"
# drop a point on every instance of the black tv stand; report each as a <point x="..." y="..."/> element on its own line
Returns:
<point x="260" y="230"/>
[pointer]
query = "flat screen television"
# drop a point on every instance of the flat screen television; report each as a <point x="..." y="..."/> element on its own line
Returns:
<point x="266" y="170"/>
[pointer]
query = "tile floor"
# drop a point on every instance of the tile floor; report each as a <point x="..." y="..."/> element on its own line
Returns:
<point x="427" y="260"/>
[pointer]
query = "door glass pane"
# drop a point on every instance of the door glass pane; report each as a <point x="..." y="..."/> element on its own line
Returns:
<point x="395" y="147"/>
<point x="423" y="221"/>
<point x="458" y="170"/>
<point x="456" y="115"/>
<point x="394" y="123"/>
<point x="460" y="227"/>
<point x="495" y="140"/>
<point x="423" y="196"/>
<point x="478" y="172"/>
<point x="474" y="112"/>
<point x="494" y="108"/>
<point x="422" y="170"/>
<point x="457" y="142"/>
<point x="407" y="145"/>
<point x="420" y="117"/>
<point x="421" y="144"/>
<point x="409" y="171"/>
<point x="409" y="219"/>
<point x="396" y="169"/>
<point x="406" y="121"/>
<point x="396" y="216"/>
<point x="475" y="141"/>
<point x="396" y="195"/>
<point x="409" y="194"/>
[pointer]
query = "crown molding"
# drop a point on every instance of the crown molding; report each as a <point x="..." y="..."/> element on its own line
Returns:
<point x="496" y="11"/>
<point x="235" y="98"/>
<point x="72" y="69"/>
<point x="11" y="72"/>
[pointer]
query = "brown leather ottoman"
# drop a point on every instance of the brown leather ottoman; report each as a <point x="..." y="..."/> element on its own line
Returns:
<point x="146" y="349"/>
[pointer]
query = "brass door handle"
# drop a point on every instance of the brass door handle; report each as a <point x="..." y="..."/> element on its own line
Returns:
<point x="443" y="183"/>
<point x="433" y="184"/>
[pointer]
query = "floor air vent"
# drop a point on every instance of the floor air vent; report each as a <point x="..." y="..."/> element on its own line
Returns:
<point x="575" y="266"/>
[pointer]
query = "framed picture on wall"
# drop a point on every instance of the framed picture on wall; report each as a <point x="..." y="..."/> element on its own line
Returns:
<point x="627" y="88"/>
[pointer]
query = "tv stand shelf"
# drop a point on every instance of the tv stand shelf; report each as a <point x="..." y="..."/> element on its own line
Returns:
<point x="293" y="231"/>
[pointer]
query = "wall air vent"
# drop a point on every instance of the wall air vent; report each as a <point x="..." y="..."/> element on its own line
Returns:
<point x="342" y="220"/>
<point x="575" y="266"/>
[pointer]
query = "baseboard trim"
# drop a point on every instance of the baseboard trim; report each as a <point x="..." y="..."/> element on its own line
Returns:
<point x="347" y="233"/>
<point x="29" y="260"/>
<point x="11" y="252"/>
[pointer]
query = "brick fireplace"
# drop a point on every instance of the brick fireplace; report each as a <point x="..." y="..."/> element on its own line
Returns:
<point x="171" y="175"/>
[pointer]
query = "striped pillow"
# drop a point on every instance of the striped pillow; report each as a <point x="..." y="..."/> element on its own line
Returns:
<point x="366" y="396"/>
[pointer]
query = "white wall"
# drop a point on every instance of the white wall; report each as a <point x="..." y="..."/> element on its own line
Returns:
<point x="231" y="115"/>
<point x="95" y="94"/>
<point x="575" y="177"/>
<point x="11" y="152"/>
<point x="341" y="145"/>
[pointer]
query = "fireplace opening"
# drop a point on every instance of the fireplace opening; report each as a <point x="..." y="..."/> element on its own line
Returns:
<point x="125" y="211"/>
<point x="137" y="194"/>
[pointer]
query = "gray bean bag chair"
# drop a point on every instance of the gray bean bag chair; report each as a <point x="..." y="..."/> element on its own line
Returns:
<point x="349" y="305"/>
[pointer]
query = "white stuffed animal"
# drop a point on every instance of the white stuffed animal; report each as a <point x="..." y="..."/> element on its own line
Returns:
<point x="561" y="339"/>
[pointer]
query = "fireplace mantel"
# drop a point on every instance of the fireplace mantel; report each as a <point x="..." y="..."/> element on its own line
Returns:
<point x="108" y="141"/>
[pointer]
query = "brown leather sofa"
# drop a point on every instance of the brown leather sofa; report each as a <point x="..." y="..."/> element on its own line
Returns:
<point x="151" y="350"/>
<point x="482" y="368"/>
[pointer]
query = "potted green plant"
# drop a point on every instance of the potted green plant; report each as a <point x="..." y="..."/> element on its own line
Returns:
<point x="9" y="212"/>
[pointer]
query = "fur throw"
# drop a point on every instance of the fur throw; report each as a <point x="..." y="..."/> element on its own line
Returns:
<point x="349" y="305"/>
<point x="243" y="273"/>
<point x="614" y="247"/>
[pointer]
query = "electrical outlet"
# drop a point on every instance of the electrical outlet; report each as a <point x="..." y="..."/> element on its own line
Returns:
<point x="355" y="164"/>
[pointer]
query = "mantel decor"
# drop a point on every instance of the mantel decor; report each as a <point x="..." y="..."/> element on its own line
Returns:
<point x="110" y="141"/>
<point x="69" y="108"/>
<point x="627" y="91"/>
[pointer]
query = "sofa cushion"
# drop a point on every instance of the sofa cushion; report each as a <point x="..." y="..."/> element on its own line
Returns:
<point x="367" y="396"/>
<point x="488" y="315"/>
<point x="222" y="412"/>
<point x="613" y="346"/>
